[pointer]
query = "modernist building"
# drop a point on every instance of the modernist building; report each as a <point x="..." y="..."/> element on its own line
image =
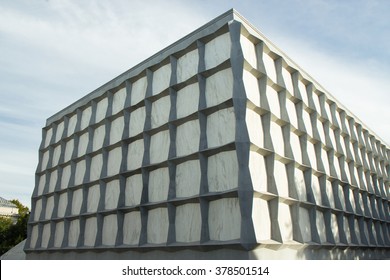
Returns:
<point x="219" y="146"/>
<point x="8" y="209"/>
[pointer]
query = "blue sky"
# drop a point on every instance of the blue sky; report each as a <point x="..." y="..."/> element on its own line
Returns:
<point x="54" y="52"/>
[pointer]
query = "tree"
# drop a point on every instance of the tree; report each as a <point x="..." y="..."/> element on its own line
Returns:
<point x="11" y="234"/>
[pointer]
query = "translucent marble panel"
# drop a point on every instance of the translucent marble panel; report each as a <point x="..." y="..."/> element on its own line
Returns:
<point x="258" y="172"/>
<point x="307" y="121"/>
<point x="90" y="232"/>
<point x="221" y="127"/>
<point x="249" y="51"/>
<point x="303" y="92"/>
<point x="93" y="198"/>
<point x="287" y="80"/>
<point x="38" y="209"/>
<point x="133" y="190"/>
<point x="329" y="193"/>
<point x="112" y="194"/>
<point x="135" y="154"/>
<point x="255" y="128"/>
<point x="188" y="176"/>
<point x="222" y="171"/>
<point x="138" y="90"/>
<point x="96" y="167"/>
<point x="34" y="236"/>
<point x="118" y="100"/>
<point x="281" y="179"/>
<point x="45" y="235"/>
<point x="98" y="137"/>
<point x="335" y="227"/>
<point x="312" y="155"/>
<point x="273" y="101"/>
<point x="101" y="109"/>
<point x="285" y="222"/>
<point x="292" y="113"/>
<point x="277" y="138"/>
<point x="59" y="234"/>
<point x="66" y="172"/>
<point x="219" y="87"/>
<point x="85" y="117"/>
<point x="316" y="188"/>
<point x="132" y="228"/>
<point x="137" y="121"/>
<point x="261" y="219"/>
<point x="320" y="222"/>
<point x="188" y="222"/>
<point x="187" y="65"/>
<point x="80" y="172"/>
<point x="217" y="50"/>
<point x="224" y="219"/>
<point x="114" y="161"/>
<point x="83" y="144"/>
<point x="157" y="227"/>
<point x="251" y="88"/>
<point x="41" y="184"/>
<point x="69" y="147"/>
<point x="187" y="138"/>
<point x="300" y="184"/>
<point x="304" y="224"/>
<point x="45" y="160"/>
<point x="48" y="136"/>
<point x="269" y="64"/>
<point x="161" y="79"/>
<point x="187" y="100"/>
<point x="53" y="181"/>
<point x="77" y="201"/>
<point x="56" y="155"/>
<point x="160" y="111"/>
<point x="110" y="229"/>
<point x="347" y="229"/>
<point x="62" y="205"/>
<point x="74" y="233"/>
<point x="158" y="184"/>
<point x="159" y="146"/>
<point x="116" y="130"/>
<point x="60" y="131"/>
<point x="72" y="124"/>
<point x="49" y="207"/>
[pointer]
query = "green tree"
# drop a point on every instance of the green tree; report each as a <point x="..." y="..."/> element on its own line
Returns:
<point x="13" y="233"/>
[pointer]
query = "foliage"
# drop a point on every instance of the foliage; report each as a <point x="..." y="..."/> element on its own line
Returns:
<point x="13" y="233"/>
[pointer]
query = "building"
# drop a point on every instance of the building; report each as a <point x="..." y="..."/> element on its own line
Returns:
<point x="219" y="146"/>
<point x="8" y="209"/>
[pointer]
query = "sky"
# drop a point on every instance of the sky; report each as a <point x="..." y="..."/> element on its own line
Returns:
<point x="53" y="52"/>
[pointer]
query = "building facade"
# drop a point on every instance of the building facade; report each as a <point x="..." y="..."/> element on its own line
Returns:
<point x="219" y="146"/>
<point x="8" y="209"/>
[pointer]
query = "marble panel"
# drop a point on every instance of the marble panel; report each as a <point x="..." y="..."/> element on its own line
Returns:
<point x="132" y="228"/>
<point x="38" y="209"/>
<point x="188" y="222"/>
<point x="320" y="222"/>
<point x="251" y="88"/>
<point x="249" y="51"/>
<point x="158" y="184"/>
<point x="41" y="184"/>
<point x="53" y="180"/>
<point x="49" y="207"/>
<point x="72" y="124"/>
<point x="118" y="100"/>
<point x="45" y="160"/>
<point x="74" y="233"/>
<point x="187" y="101"/>
<point x="157" y="227"/>
<point x="261" y="219"/>
<point x="219" y="87"/>
<point x="114" y="161"/>
<point x="285" y="222"/>
<point x="187" y="66"/>
<point x="90" y="231"/>
<point x="281" y="180"/>
<point x="86" y="117"/>
<point x="77" y="201"/>
<point x="269" y="64"/>
<point x="161" y="79"/>
<point x="60" y="131"/>
<point x="187" y="138"/>
<point x="101" y="109"/>
<point x="273" y="101"/>
<point x="160" y="111"/>
<point x="48" y="136"/>
<point x="138" y="90"/>
<point x="304" y="224"/>
<point x="56" y="155"/>
<point x="188" y="175"/>
<point x="80" y="172"/>
<point x="137" y="121"/>
<point x="135" y="154"/>
<point x="34" y="236"/>
<point x="112" y="194"/>
<point x="224" y="219"/>
<point x="83" y="144"/>
<point x="62" y="205"/>
<point x="133" y="190"/>
<point x="69" y="147"/>
<point x="93" y="198"/>
<point x="116" y="130"/>
<point x="287" y="80"/>
<point x="222" y="171"/>
<point x="221" y="127"/>
<point x="59" y="234"/>
<point x="217" y="50"/>
<point x="159" y="146"/>
<point x="277" y="138"/>
<point x="258" y="172"/>
<point x="110" y="229"/>
<point x="45" y="235"/>
<point x="98" y="137"/>
<point x="96" y="167"/>
<point x="255" y="128"/>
